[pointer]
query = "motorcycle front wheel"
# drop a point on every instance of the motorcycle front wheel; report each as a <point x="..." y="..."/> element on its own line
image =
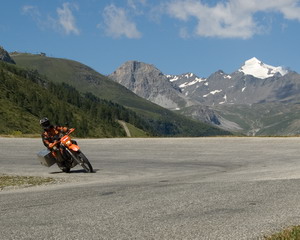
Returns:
<point x="83" y="162"/>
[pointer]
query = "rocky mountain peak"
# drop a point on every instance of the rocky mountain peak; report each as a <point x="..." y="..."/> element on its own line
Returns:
<point x="148" y="82"/>
<point x="4" y="56"/>
<point x="136" y="67"/>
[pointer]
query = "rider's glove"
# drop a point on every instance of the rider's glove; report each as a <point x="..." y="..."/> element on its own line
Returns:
<point x="55" y="148"/>
<point x="52" y="146"/>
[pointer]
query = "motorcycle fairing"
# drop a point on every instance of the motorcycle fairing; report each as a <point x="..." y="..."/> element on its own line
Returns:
<point x="74" y="147"/>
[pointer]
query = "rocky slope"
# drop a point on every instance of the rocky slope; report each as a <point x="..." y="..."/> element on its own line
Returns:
<point x="4" y="56"/>
<point x="254" y="82"/>
<point x="148" y="82"/>
<point x="204" y="98"/>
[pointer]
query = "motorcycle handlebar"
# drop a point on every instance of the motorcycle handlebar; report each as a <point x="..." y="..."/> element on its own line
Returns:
<point x="58" y="141"/>
<point x="70" y="131"/>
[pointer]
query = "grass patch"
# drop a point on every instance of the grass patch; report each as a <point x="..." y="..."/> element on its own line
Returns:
<point x="136" y="132"/>
<point x="291" y="233"/>
<point x="23" y="181"/>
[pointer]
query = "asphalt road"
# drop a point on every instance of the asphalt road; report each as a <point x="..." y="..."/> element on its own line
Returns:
<point x="183" y="188"/>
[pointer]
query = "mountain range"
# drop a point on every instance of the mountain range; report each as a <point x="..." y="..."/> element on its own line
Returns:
<point x="256" y="99"/>
<point x="225" y="100"/>
<point x="94" y="102"/>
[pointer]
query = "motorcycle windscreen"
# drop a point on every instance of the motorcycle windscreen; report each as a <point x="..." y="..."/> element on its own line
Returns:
<point x="46" y="158"/>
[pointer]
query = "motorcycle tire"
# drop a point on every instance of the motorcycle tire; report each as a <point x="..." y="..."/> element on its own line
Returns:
<point x="84" y="162"/>
<point x="65" y="169"/>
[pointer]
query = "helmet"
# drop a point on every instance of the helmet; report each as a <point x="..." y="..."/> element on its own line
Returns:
<point x="45" y="123"/>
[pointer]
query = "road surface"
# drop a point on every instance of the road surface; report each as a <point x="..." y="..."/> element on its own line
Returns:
<point x="172" y="188"/>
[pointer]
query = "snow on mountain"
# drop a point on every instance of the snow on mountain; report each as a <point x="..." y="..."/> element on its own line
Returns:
<point x="243" y="86"/>
<point x="260" y="70"/>
<point x="196" y="80"/>
<point x="172" y="78"/>
<point x="213" y="92"/>
<point x="150" y="83"/>
<point x="185" y="80"/>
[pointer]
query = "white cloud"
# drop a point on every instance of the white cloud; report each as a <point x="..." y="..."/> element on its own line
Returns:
<point x="33" y="11"/>
<point x="64" y="22"/>
<point x="134" y="4"/>
<point x="66" y="19"/>
<point x="36" y="15"/>
<point x="230" y="19"/>
<point x="118" y="24"/>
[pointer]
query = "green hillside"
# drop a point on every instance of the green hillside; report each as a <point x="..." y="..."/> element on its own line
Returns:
<point x="84" y="79"/>
<point x="157" y="120"/>
<point x="25" y="97"/>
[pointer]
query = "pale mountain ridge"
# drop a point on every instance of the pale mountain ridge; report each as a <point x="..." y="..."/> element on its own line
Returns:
<point x="253" y="67"/>
<point x="254" y="82"/>
<point x="150" y="83"/>
<point x="205" y="99"/>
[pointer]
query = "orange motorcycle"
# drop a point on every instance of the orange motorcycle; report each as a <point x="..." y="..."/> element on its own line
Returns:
<point x="70" y="155"/>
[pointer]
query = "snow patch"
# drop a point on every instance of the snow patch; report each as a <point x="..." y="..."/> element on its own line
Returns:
<point x="188" y="75"/>
<point x="258" y="69"/>
<point x="197" y="80"/>
<point x="212" y="93"/>
<point x="225" y="99"/>
<point x="173" y="79"/>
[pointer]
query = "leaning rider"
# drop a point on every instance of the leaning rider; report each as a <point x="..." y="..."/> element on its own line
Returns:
<point x="52" y="134"/>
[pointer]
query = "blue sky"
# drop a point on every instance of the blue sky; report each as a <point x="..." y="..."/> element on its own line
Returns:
<point x="176" y="36"/>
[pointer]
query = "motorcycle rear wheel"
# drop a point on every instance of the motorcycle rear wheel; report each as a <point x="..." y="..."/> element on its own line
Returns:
<point x="65" y="169"/>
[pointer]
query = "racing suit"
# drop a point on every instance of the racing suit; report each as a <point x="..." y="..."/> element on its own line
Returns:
<point x="50" y="136"/>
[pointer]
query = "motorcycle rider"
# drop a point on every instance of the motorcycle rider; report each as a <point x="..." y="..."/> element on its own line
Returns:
<point x="50" y="135"/>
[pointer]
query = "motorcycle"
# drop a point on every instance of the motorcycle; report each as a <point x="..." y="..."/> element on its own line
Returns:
<point x="70" y="155"/>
